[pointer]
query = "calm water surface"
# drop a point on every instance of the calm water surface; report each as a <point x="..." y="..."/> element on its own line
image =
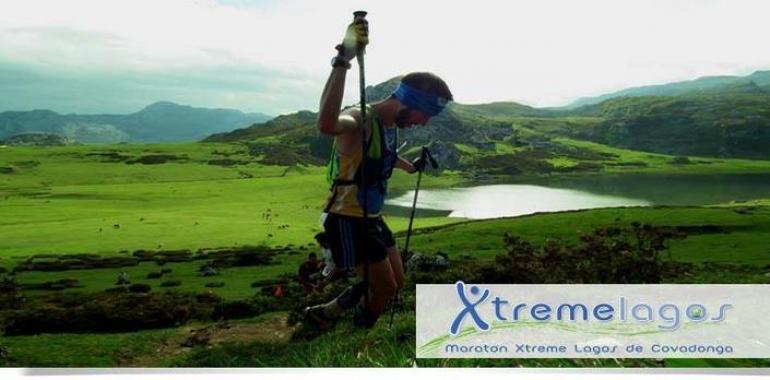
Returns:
<point x="562" y="194"/>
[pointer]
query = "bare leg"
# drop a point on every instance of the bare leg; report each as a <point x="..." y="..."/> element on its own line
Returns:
<point x="394" y="256"/>
<point x="382" y="285"/>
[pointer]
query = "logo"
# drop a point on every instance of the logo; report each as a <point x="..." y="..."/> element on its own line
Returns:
<point x="668" y="316"/>
<point x="584" y="320"/>
<point x="470" y="308"/>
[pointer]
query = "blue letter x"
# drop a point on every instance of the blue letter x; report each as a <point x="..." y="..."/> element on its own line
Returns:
<point x="470" y="308"/>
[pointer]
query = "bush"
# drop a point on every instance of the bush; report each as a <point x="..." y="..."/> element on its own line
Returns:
<point x="143" y="255"/>
<point x="215" y="284"/>
<point x="64" y="283"/>
<point x="240" y="257"/>
<point x="105" y="312"/>
<point x="606" y="256"/>
<point x="171" y="283"/>
<point x="155" y="159"/>
<point x="261" y="283"/>
<point x="139" y="288"/>
<point x="615" y="255"/>
<point x="227" y="162"/>
<point x="208" y="297"/>
<point x="681" y="160"/>
<point x="56" y="263"/>
<point x="166" y="270"/>
<point x="116" y="289"/>
<point x="585" y="166"/>
<point x="236" y="310"/>
<point x="154" y="275"/>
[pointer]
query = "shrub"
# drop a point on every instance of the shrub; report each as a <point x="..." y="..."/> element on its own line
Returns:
<point x="154" y="275"/>
<point x="139" y="288"/>
<point x="261" y="283"/>
<point x="606" y="256"/>
<point x="208" y="297"/>
<point x="117" y="289"/>
<point x="64" y="283"/>
<point x="155" y="159"/>
<point x="588" y="166"/>
<point x="171" y="283"/>
<point x="55" y="263"/>
<point x="143" y="255"/>
<point x="215" y="284"/>
<point x="612" y="255"/>
<point x="235" y="310"/>
<point x="105" y="312"/>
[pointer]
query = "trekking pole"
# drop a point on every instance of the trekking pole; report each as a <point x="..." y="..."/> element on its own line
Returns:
<point x="425" y="154"/>
<point x="414" y="204"/>
<point x="361" y="16"/>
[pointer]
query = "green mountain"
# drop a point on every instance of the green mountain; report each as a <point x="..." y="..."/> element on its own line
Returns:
<point x="36" y="139"/>
<point x="298" y="132"/>
<point x="158" y="122"/>
<point x="511" y="137"/>
<point x="724" y="125"/>
<point x="759" y="81"/>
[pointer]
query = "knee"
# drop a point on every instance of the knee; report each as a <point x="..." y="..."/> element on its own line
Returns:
<point x="399" y="282"/>
<point x="389" y="288"/>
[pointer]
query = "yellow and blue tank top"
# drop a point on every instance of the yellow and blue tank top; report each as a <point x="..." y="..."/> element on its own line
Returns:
<point x="344" y="172"/>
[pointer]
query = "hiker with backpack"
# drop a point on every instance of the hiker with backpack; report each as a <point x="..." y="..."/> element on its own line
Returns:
<point x="363" y="157"/>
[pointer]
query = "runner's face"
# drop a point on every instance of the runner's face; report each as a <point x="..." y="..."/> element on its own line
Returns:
<point x="409" y="117"/>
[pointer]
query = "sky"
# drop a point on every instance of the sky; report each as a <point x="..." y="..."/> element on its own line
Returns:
<point x="103" y="56"/>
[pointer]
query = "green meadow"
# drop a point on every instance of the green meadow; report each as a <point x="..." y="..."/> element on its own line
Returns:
<point x="71" y="200"/>
<point x="113" y="200"/>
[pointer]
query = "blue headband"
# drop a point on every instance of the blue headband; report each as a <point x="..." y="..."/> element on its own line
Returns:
<point x="422" y="101"/>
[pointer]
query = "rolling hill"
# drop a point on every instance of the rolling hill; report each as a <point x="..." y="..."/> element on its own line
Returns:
<point x="713" y="125"/>
<point x="158" y="122"/>
<point x="758" y="81"/>
<point x="729" y="117"/>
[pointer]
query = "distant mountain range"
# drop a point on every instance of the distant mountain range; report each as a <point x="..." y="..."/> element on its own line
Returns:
<point x="758" y="82"/>
<point x="158" y="122"/>
<point x="711" y="117"/>
<point x="726" y="116"/>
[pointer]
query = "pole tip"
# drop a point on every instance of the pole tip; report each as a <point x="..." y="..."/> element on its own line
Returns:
<point x="359" y="14"/>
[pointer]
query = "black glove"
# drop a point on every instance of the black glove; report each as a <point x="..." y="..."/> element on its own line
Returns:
<point x="419" y="164"/>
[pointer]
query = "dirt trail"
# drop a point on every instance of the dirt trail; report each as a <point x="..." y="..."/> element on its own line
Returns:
<point x="272" y="328"/>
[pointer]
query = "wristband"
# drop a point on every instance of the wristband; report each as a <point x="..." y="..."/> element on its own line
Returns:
<point x="340" y="61"/>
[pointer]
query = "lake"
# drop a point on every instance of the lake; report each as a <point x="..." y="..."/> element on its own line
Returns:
<point x="577" y="193"/>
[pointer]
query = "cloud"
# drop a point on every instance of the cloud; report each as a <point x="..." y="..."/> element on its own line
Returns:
<point x="248" y="88"/>
<point x="272" y="56"/>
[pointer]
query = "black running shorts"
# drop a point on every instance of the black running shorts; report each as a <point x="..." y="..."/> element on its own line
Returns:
<point x="350" y="246"/>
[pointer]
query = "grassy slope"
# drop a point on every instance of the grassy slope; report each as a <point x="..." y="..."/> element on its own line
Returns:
<point x="746" y="242"/>
<point x="173" y="206"/>
<point x="346" y="346"/>
<point x="69" y="197"/>
<point x="661" y="163"/>
<point x="81" y="350"/>
<point x="70" y="202"/>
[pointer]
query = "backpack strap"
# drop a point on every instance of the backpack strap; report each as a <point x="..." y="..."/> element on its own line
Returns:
<point x="332" y="167"/>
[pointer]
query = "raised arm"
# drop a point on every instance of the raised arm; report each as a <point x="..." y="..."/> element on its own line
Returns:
<point x="329" y="120"/>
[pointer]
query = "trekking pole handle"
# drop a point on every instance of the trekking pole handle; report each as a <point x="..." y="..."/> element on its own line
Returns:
<point x="360" y="16"/>
<point x="426" y="155"/>
<point x="357" y="15"/>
